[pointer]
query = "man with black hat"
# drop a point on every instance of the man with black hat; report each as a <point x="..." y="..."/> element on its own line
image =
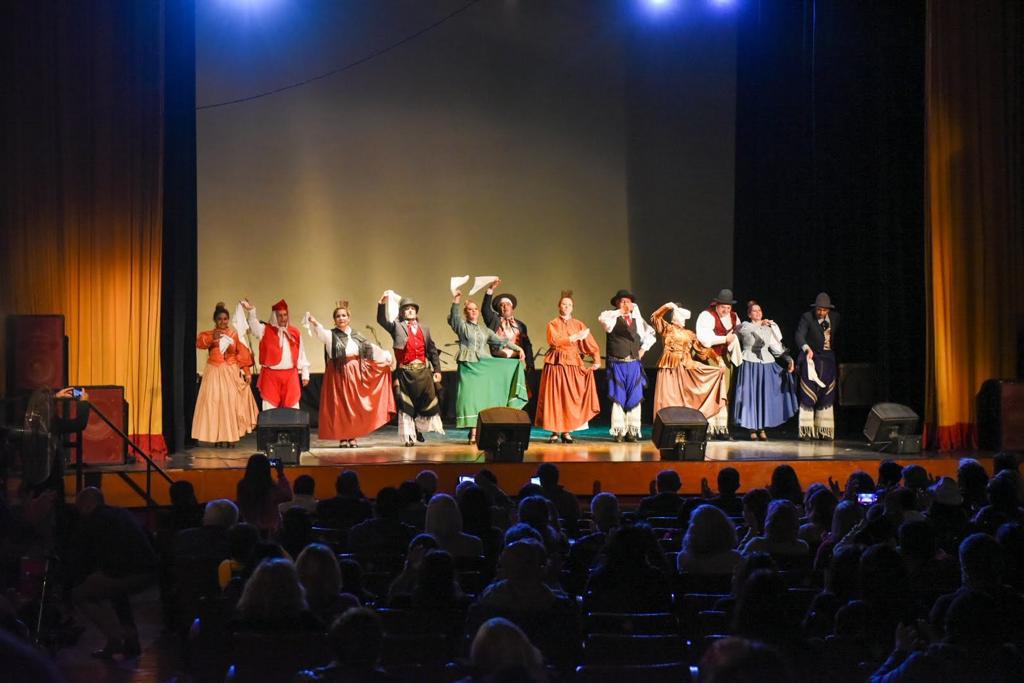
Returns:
<point x="815" y="335"/>
<point x="716" y="330"/>
<point x="629" y="337"/>
<point x="499" y="315"/>
<point x="419" y="409"/>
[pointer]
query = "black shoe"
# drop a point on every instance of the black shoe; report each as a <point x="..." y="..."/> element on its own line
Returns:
<point x="618" y="438"/>
<point x="631" y="438"/>
<point x="419" y="436"/>
<point x="728" y="437"/>
<point x="567" y="438"/>
<point x="553" y="438"/>
<point x="409" y="444"/>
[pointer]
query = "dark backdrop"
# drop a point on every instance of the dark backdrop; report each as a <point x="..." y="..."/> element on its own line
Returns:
<point x="829" y="177"/>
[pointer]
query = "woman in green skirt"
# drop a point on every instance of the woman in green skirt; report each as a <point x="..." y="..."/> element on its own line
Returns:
<point x="485" y="381"/>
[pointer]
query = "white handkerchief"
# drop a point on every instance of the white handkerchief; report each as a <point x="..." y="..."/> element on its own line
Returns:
<point x="306" y="324"/>
<point x="582" y="334"/>
<point x="480" y="282"/>
<point x="812" y="374"/>
<point x="241" y="324"/>
<point x="225" y="343"/>
<point x="735" y="353"/>
<point x="457" y="281"/>
<point x="391" y="305"/>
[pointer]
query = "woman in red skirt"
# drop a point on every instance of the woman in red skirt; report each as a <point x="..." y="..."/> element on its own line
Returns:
<point x="356" y="398"/>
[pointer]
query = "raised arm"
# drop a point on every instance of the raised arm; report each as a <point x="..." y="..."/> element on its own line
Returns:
<point x="382" y="318"/>
<point x="490" y="315"/>
<point x="323" y="334"/>
<point x="608" y="319"/>
<point x="658" y="317"/>
<point x="257" y="327"/>
<point x="457" y="323"/>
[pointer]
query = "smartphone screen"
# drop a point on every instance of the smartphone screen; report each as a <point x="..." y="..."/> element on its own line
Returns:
<point x="465" y="477"/>
<point x="535" y="480"/>
<point x="76" y="392"/>
<point x="275" y="463"/>
<point x="867" y="498"/>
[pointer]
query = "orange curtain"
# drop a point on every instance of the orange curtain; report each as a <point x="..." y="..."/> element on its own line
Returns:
<point x="974" y="229"/>
<point x="82" y="190"/>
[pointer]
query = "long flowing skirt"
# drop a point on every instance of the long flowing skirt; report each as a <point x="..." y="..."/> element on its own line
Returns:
<point x="567" y="399"/>
<point x="225" y="407"/>
<point x="356" y="399"/>
<point x="489" y="383"/>
<point x="765" y="396"/>
<point x="701" y="387"/>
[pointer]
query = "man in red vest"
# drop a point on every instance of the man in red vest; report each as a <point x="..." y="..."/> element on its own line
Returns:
<point x="282" y="357"/>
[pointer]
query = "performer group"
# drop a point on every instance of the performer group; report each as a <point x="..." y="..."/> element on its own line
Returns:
<point x="738" y="374"/>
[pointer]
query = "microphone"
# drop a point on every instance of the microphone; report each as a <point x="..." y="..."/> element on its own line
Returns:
<point x="374" y="333"/>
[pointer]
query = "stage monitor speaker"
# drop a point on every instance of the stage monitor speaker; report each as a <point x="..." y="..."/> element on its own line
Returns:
<point x="1000" y="406"/>
<point x="895" y="424"/>
<point x="283" y="433"/>
<point x="36" y="353"/>
<point x="680" y="433"/>
<point x="101" y="445"/>
<point x="503" y="434"/>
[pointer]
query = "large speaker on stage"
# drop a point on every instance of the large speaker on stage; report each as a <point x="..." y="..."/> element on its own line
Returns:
<point x="36" y="353"/>
<point x="680" y="433"/>
<point x="896" y="424"/>
<point x="101" y="445"/>
<point x="1000" y="406"/>
<point x="503" y="434"/>
<point x="283" y="433"/>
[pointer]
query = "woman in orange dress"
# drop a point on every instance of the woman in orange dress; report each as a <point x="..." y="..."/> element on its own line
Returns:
<point x="568" y="392"/>
<point x="356" y="397"/>
<point x="225" y="408"/>
<point x="681" y="380"/>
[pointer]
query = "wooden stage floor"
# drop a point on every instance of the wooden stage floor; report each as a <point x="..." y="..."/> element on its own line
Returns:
<point x="594" y="463"/>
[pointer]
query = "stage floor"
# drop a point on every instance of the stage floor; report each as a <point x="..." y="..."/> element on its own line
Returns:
<point x="594" y="463"/>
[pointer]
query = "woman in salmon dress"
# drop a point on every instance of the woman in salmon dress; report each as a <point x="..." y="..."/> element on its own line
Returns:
<point x="356" y="397"/>
<point x="225" y="408"/>
<point x="568" y="392"/>
<point x="681" y="380"/>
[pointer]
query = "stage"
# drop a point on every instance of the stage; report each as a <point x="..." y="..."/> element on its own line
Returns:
<point x="594" y="463"/>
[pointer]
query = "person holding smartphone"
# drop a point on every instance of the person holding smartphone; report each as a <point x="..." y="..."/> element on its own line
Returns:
<point x="259" y="495"/>
<point x="225" y="407"/>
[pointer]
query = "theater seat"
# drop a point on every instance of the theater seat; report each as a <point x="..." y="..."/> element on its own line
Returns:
<point x="676" y="672"/>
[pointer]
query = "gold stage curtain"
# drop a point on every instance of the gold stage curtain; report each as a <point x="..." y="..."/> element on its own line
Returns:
<point x="81" y="197"/>
<point x="974" y="229"/>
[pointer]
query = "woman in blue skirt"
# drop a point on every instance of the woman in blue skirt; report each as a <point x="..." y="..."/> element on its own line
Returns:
<point x="765" y="393"/>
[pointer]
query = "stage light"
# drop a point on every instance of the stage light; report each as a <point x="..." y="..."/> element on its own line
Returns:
<point x="722" y="3"/>
<point x="658" y="6"/>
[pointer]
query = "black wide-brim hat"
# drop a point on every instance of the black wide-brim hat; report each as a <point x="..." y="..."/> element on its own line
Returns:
<point x="724" y="296"/>
<point x="823" y="300"/>
<point x="496" y="301"/>
<point x="623" y="294"/>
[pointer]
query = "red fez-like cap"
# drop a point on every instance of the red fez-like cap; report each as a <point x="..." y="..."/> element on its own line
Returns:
<point x="280" y="306"/>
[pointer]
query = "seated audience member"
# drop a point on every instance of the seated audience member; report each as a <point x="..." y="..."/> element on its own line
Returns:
<point x="436" y="585"/>
<point x="738" y="660"/>
<point x="1003" y="504"/>
<point x="427" y="481"/>
<point x="296" y="531"/>
<point x="320" y="576"/>
<point x="780" y="533"/>
<point x="211" y="539"/>
<point x="763" y="612"/>
<point x="502" y="652"/>
<point x="974" y="648"/>
<point x="666" y="502"/>
<point x="519" y="586"/>
<point x="847" y="649"/>
<point x="982" y="568"/>
<point x="885" y="589"/>
<point x="476" y="520"/>
<point x="384" y="534"/>
<point x="405" y="582"/>
<point x="111" y="559"/>
<point x="633" y="577"/>
<point x="946" y="513"/>
<point x="821" y="505"/>
<point x="709" y="546"/>
<point x="504" y="506"/>
<point x="522" y="532"/>
<point x="755" y="510"/>
<point x="785" y="485"/>
<point x="566" y="503"/>
<point x="583" y="555"/>
<point x="303" y="495"/>
<point x="1011" y="538"/>
<point x="842" y="584"/>
<point x="890" y="474"/>
<point x="536" y="512"/>
<point x="352" y="581"/>
<point x="444" y="522"/>
<point x="185" y="511"/>
<point x="242" y="541"/>
<point x="929" y="570"/>
<point x="900" y="506"/>
<point x="273" y="601"/>
<point x="972" y="479"/>
<point x="728" y="485"/>
<point x="915" y="478"/>
<point x="357" y="639"/>
<point x="259" y="495"/>
<point x="747" y="565"/>
<point x="348" y="507"/>
<point x="845" y="517"/>
<point x="412" y="510"/>
<point x="859" y="482"/>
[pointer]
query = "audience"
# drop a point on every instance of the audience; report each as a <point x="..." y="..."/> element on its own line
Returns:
<point x="444" y="522"/>
<point x="946" y="513"/>
<point x="348" y="507"/>
<point x="972" y="479"/>
<point x="785" y="485"/>
<point x="357" y="640"/>
<point x="211" y="539"/>
<point x="519" y="586"/>
<point x="385" y="533"/>
<point x="320" y="576"/>
<point x="502" y="652"/>
<point x="584" y="553"/>
<point x="436" y="585"/>
<point x="296" y="531"/>
<point x="259" y="495"/>
<point x="427" y="481"/>
<point x="781" y="529"/>
<point x="728" y="485"/>
<point x="666" y="502"/>
<point x="242" y="541"/>
<point x="477" y="520"/>
<point x="273" y="601"/>
<point x="633" y="575"/>
<point x="566" y="503"/>
<point x="755" y="510"/>
<point x="709" y="546"/>
<point x="412" y="510"/>
<point x="405" y="583"/>
<point x="303" y="495"/>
